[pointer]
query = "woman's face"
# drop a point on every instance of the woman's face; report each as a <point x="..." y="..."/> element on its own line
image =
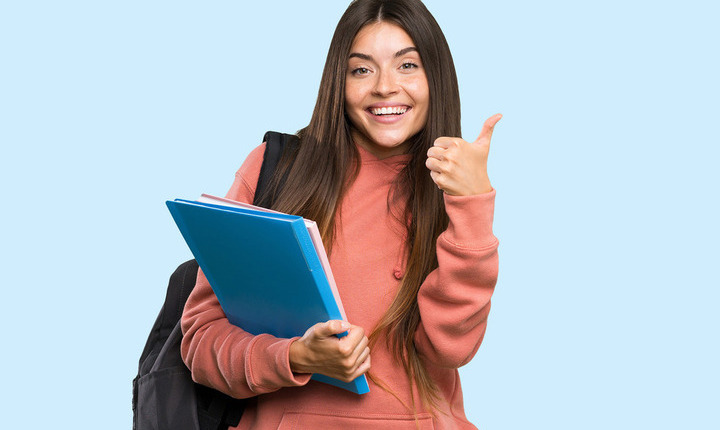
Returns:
<point x="386" y="90"/>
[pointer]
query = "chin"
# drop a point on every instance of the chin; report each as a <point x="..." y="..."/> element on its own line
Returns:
<point x="389" y="141"/>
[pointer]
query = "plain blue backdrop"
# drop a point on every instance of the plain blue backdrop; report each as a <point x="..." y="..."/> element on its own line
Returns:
<point x="605" y="313"/>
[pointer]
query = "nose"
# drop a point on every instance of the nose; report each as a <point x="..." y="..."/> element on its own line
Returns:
<point x="385" y="83"/>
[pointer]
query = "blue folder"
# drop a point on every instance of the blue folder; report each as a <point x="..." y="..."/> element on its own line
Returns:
<point x="263" y="269"/>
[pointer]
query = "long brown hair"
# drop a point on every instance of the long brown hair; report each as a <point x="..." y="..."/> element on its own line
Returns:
<point x="326" y="162"/>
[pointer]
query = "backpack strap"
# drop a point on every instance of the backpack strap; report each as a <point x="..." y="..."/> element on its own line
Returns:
<point x="276" y="146"/>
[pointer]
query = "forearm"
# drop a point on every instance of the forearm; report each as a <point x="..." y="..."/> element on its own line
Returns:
<point x="454" y="300"/>
<point x="227" y="358"/>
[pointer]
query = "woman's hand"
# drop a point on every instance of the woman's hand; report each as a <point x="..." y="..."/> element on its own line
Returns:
<point x="459" y="168"/>
<point x="321" y="351"/>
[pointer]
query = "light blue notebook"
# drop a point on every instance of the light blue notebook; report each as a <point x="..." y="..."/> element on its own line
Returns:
<point x="263" y="269"/>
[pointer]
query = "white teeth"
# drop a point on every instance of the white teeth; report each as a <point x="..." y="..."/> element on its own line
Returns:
<point x="395" y="110"/>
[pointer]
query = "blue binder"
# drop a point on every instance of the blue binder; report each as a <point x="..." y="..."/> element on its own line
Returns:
<point x="263" y="269"/>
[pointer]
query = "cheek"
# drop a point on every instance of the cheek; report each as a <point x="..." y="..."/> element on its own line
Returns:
<point x="419" y="91"/>
<point x="421" y="96"/>
<point x="353" y="96"/>
<point x="352" y="104"/>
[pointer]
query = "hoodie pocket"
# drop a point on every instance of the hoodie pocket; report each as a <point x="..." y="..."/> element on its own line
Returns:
<point x="310" y="420"/>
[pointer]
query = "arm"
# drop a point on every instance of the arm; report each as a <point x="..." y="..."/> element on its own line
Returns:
<point x="454" y="300"/>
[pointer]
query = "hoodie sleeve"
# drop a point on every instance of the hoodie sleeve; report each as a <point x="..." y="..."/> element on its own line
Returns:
<point x="454" y="300"/>
<point x="224" y="356"/>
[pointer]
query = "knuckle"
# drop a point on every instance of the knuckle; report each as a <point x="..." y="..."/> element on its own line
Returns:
<point x="344" y="349"/>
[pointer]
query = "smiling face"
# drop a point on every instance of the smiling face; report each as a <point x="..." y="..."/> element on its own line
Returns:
<point x="386" y="90"/>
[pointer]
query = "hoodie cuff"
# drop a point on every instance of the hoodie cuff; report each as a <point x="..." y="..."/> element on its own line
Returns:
<point x="269" y="365"/>
<point x="471" y="219"/>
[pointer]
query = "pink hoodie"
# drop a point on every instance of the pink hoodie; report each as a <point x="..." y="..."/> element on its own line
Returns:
<point x="368" y="262"/>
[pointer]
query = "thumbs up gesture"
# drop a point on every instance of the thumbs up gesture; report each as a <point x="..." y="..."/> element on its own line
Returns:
<point x="459" y="168"/>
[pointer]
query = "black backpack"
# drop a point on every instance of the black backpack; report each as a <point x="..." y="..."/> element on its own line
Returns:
<point x="164" y="394"/>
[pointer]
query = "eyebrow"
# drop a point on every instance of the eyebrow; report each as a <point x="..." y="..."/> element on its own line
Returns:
<point x="366" y="57"/>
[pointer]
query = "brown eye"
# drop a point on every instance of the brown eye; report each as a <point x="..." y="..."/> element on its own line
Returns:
<point x="360" y="71"/>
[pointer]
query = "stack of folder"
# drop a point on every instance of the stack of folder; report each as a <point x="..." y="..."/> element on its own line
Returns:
<point x="269" y="270"/>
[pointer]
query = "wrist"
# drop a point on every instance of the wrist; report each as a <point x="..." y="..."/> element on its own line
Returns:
<point x="297" y="357"/>
<point x="480" y="188"/>
<point x="484" y="188"/>
<point x="484" y="183"/>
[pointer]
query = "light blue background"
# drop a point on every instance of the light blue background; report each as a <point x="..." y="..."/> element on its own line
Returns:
<point x="605" y="313"/>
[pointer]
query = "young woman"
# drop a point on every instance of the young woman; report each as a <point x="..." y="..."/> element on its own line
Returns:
<point x="405" y="208"/>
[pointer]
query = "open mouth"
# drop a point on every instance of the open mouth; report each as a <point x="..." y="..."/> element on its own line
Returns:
<point x="387" y="111"/>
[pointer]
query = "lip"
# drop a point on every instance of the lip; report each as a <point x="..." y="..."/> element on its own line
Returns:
<point x="387" y="119"/>
<point x="387" y="104"/>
